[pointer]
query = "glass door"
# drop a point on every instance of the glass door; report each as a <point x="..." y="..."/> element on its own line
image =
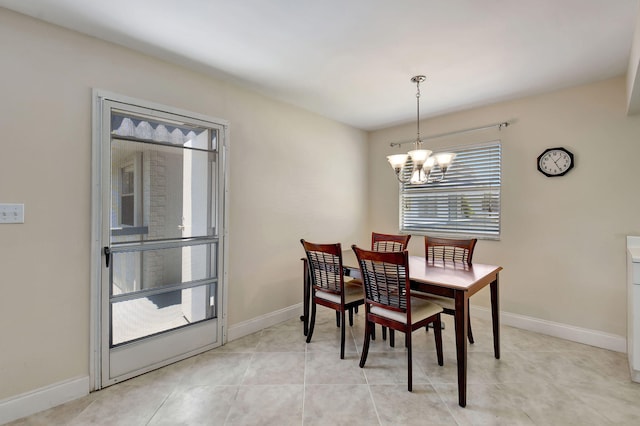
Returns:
<point x="161" y="291"/>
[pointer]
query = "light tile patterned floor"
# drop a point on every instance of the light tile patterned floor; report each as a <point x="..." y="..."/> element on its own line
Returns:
<point x="274" y="378"/>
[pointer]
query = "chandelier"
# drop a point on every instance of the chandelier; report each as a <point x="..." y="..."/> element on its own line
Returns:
<point x="424" y="164"/>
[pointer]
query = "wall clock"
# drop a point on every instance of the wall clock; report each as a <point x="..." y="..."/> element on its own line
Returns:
<point x="555" y="162"/>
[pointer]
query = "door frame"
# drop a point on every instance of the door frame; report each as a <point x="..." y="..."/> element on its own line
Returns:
<point x="98" y="175"/>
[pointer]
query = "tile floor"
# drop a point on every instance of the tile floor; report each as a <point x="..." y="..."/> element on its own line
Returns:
<point x="274" y="378"/>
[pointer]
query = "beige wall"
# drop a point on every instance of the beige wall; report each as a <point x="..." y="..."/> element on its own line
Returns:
<point x="563" y="239"/>
<point x="292" y="174"/>
<point x="562" y="243"/>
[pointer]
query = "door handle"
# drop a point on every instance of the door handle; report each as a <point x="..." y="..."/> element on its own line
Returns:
<point x="107" y="255"/>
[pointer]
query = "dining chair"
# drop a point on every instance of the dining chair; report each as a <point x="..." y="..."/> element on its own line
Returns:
<point x="388" y="302"/>
<point x="389" y="242"/>
<point x="386" y="243"/>
<point x="328" y="287"/>
<point x="456" y="251"/>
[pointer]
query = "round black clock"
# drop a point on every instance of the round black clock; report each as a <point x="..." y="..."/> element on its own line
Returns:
<point x="555" y="162"/>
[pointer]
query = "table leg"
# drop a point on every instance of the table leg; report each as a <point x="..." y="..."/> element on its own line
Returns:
<point x="461" y="320"/>
<point x="495" y="316"/>
<point x="305" y="298"/>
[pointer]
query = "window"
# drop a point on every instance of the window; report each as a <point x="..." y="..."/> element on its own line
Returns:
<point x="465" y="203"/>
<point x="127" y="197"/>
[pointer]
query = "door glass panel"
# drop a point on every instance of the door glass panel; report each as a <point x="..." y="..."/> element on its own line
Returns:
<point x="150" y="269"/>
<point x="163" y="189"/>
<point x="161" y="192"/>
<point x="145" y="316"/>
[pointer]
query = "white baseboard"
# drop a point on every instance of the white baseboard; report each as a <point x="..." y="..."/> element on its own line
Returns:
<point x="59" y="393"/>
<point x="258" y="323"/>
<point x="586" y="336"/>
<point x="50" y="396"/>
<point x="44" y="398"/>
<point x="575" y="334"/>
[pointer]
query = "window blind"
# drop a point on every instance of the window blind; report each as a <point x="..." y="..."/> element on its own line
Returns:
<point x="466" y="202"/>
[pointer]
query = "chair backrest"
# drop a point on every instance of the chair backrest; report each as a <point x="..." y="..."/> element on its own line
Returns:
<point x="385" y="277"/>
<point x="389" y="242"/>
<point x="325" y="266"/>
<point x="446" y="249"/>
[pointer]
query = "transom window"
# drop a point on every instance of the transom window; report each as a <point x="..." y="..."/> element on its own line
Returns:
<point x="465" y="203"/>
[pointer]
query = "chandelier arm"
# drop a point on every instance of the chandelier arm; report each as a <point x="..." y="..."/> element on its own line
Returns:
<point x="434" y="180"/>
<point x="399" y="174"/>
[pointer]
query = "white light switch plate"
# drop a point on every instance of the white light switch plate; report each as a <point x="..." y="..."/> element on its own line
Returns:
<point x="11" y="213"/>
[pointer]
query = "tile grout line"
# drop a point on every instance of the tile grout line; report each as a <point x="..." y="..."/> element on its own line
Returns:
<point x="160" y="405"/>
<point x="366" y="378"/>
<point x="239" y="386"/>
<point x="304" y="377"/>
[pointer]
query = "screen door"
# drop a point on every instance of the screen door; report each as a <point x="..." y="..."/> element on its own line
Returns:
<point x="162" y="255"/>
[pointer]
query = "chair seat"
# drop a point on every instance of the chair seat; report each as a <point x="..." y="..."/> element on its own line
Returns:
<point x="445" y="302"/>
<point x="420" y="309"/>
<point x="352" y="293"/>
<point x="354" y="281"/>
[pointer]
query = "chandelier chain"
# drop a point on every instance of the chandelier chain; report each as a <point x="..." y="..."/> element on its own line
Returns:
<point x="417" y="80"/>
<point x="418" y="141"/>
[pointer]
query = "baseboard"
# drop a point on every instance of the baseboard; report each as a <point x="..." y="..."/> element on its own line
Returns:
<point x="568" y="332"/>
<point x="47" y="397"/>
<point x="263" y="321"/>
<point x="575" y="334"/>
<point x="44" y="398"/>
<point x="50" y="396"/>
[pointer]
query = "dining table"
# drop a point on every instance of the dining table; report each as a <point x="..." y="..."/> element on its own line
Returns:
<point x="454" y="280"/>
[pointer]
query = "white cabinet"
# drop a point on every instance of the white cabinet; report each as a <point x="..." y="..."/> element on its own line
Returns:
<point x="633" y="306"/>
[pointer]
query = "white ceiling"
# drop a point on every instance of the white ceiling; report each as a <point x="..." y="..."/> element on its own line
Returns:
<point x="352" y="60"/>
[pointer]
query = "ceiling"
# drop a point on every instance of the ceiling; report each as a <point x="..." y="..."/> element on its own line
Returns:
<point x="352" y="60"/>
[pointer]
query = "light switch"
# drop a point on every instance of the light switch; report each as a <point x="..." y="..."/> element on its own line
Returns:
<point x="11" y="213"/>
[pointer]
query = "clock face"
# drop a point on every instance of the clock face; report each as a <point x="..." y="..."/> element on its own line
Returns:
<point x="555" y="162"/>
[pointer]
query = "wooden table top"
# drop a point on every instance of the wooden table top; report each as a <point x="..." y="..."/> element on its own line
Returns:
<point x="444" y="274"/>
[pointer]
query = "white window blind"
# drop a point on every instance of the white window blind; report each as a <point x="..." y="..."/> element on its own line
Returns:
<point x="466" y="202"/>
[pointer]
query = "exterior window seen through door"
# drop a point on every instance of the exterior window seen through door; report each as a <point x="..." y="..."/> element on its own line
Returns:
<point x="127" y="197"/>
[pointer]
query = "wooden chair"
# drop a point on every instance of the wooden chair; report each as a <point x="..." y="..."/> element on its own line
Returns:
<point x="386" y="243"/>
<point x="449" y="250"/>
<point x="388" y="301"/>
<point x="327" y="285"/>
<point x="389" y="242"/>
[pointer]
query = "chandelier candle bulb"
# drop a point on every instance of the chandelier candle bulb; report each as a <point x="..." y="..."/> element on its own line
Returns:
<point x="444" y="160"/>
<point x="398" y="161"/>
<point x="419" y="156"/>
